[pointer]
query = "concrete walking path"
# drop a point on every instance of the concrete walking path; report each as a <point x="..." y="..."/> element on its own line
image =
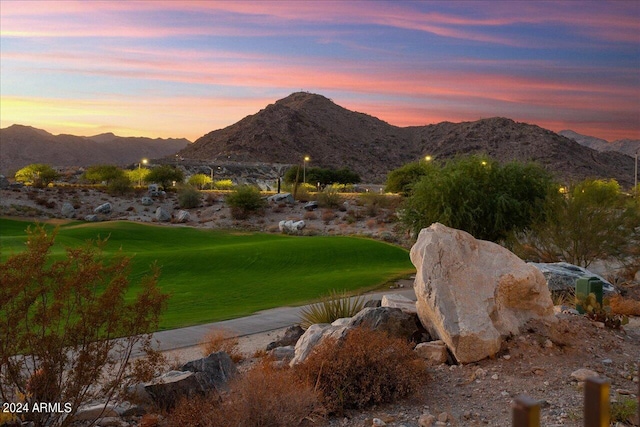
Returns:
<point x="263" y="321"/>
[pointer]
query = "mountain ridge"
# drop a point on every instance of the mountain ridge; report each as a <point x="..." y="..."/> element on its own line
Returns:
<point x="22" y="145"/>
<point x="305" y="124"/>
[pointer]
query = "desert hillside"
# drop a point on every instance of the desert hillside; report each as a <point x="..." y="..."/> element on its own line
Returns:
<point x="308" y="124"/>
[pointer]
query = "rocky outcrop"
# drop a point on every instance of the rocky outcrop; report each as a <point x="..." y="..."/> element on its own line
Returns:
<point x="472" y="293"/>
<point x="562" y="276"/>
<point x="393" y="321"/>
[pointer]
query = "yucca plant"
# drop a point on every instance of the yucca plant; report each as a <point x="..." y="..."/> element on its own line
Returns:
<point x="336" y="305"/>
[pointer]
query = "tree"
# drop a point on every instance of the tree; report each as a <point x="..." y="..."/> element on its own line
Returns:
<point x="478" y="195"/>
<point x="165" y="175"/>
<point x="137" y="175"/>
<point x="401" y="180"/>
<point x="200" y="180"/>
<point x="68" y="327"/>
<point x="103" y="173"/>
<point x="189" y="197"/>
<point x="38" y="175"/>
<point x="244" y="201"/>
<point x="593" y="220"/>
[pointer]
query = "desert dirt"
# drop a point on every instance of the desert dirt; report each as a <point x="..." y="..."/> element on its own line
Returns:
<point x="537" y="363"/>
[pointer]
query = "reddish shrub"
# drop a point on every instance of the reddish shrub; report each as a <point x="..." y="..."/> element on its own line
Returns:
<point x="364" y="369"/>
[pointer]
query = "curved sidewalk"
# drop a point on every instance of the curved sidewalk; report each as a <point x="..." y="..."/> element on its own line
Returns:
<point x="262" y="321"/>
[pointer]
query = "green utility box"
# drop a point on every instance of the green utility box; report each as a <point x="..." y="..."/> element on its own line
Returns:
<point x="585" y="286"/>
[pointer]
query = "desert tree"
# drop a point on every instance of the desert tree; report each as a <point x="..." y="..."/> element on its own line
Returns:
<point x="68" y="325"/>
<point x="102" y="173"/>
<point x="165" y="175"/>
<point x="591" y="220"/>
<point x="244" y="201"/>
<point x="401" y="180"/>
<point x="37" y="174"/>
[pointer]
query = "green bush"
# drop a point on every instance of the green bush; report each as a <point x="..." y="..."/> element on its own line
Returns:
<point x="189" y="197"/>
<point x="366" y="368"/>
<point x="165" y="175"/>
<point x="478" y="195"/>
<point x="245" y="200"/>
<point x="332" y="307"/>
<point x="402" y="180"/>
<point x="119" y="186"/>
<point x="223" y="184"/>
<point x="103" y="173"/>
<point x="200" y="180"/>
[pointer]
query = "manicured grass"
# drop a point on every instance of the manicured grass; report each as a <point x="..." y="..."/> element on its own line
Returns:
<point x="215" y="275"/>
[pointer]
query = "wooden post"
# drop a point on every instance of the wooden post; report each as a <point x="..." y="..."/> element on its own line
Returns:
<point x="526" y="412"/>
<point x="596" y="402"/>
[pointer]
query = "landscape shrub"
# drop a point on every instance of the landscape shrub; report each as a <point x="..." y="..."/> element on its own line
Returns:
<point x="625" y="306"/>
<point x="119" y="186"/>
<point x="244" y="201"/>
<point x="336" y="305"/>
<point x="59" y="318"/>
<point x="262" y="397"/>
<point x="403" y="179"/>
<point x="310" y="215"/>
<point x="328" y="215"/>
<point x="593" y="220"/>
<point x="97" y="174"/>
<point x="200" y="180"/>
<point x="223" y="184"/>
<point x="221" y="340"/>
<point x="329" y="198"/>
<point x="478" y="195"/>
<point x="189" y="197"/>
<point x="365" y="368"/>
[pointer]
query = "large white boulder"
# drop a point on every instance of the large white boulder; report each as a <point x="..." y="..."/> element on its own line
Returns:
<point x="472" y="293"/>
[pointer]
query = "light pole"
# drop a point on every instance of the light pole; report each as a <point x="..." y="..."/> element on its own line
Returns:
<point x="635" y="176"/>
<point x="304" y="169"/>
<point x="427" y="158"/>
<point x="140" y="171"/>
<point x="211" y="169"/>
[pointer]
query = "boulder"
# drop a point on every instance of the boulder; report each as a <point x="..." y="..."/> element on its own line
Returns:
<point x="146" y="201"/>
<point x="183" y="216"/>
<point x="289" y="226"/>
<point x="281" y="197"/>
<point x="291" y="336"/>
<point x="313" y="336"/>
<point x="394" y="321"/>
<point x="104" y="208"/>
<point x="373" y="303"/>
<point x="68" y="211"/>
<point x="433" y="351"/>
<point x="562" y="276"/>
<point x="218" y="369"/>
<point x="399" y="301"/>
<point x="166" y="390"/>
<point x="94" y="411"/>
<point x="4" y="182"/>
<point x="91" y="218"/>
<point x="472" y="293"/>
<point x="284" y="354"/>
<point x="162" y="215"/>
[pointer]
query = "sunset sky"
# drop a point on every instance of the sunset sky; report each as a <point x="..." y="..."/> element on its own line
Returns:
<point x="185" y="68"/>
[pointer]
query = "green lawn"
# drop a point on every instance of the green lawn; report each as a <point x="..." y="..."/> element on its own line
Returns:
<point x="216" y="275"/>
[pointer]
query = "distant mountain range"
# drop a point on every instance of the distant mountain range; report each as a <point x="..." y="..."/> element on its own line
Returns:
<point x="23" y="145"/>
<point x="626" y="146"/>
<point x="305" y="124"/>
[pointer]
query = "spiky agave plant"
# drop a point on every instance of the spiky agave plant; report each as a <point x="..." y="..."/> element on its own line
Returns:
<point x="334" y="306"/>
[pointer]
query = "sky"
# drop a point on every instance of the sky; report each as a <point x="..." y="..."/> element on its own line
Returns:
<point x="185" y="68"/>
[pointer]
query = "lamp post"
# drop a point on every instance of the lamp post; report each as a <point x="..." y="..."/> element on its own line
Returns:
<point x="211" y="170"/>
<point x="427" y="158"/>
<point x="140" y="171"/>
<point x="304" y="169"/>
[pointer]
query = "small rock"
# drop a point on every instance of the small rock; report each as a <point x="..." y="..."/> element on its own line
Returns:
<point x="91" y="218"/>
<point x="607" y="361"/>
<point x="506" y="357"/>
<point x="443" y="417"/>
<point x="104" y="208"/>
<point x="624" y="392"/>
<point x="494" y="376"/>
<point x="111" y="422"/>
<point x="426" y="420"/>
<point x="583" y="374"/>
<point x="548" y="343"/>
<point x="480" y="373"/>
<point x="377" y="422"/>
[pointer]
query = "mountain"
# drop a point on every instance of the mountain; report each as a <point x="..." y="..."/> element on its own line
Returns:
<point x="308" y="124"/>
<point x="23" y="145"/>
<point x="626" y="146"/>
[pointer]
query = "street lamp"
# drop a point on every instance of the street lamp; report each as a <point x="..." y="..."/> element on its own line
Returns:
<point x="143" y="161"/>
<point x="210" y="169"/>
<point x="428" y="158"/>
<point x="304" y="169"/>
